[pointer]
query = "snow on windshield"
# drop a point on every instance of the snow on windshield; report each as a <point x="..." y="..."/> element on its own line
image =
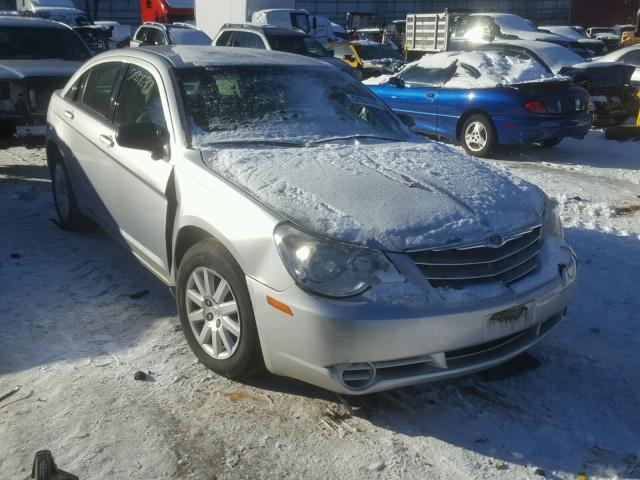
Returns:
<point x="286" y="104"/>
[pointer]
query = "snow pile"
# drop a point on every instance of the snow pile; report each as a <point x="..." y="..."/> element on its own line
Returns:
<point x="494" y="69"/>
<point x="478" y="70"/>
<point x="392" y="196"/>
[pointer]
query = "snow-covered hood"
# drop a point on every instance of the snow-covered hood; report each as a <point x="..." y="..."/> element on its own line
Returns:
<point x="391" y="196"/>
<point x="20" y="69"/>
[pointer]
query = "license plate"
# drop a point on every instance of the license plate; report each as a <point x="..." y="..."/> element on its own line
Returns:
<point x="31" y="130"/>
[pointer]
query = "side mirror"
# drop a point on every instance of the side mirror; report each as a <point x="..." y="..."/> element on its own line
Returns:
<point x="396" y="82"/>
<point x="349" y="58"/>
<point x="143" y="136"/>
<point x="407" y="120"/>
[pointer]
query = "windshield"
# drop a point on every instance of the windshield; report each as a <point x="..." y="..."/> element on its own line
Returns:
<point x="298" y="44"/>
<point x="271" y="104"/>
<point x="19" y="43"/>
<point x="188" y="36"/>
<point x="377" y="52"/>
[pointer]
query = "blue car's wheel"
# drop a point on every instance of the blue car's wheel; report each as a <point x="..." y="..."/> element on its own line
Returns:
<point x="478" y="136"/>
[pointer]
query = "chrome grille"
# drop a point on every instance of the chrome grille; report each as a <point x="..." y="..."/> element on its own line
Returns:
<point x="464" y="266"/>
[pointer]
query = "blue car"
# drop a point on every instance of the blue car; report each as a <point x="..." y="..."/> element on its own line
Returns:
<point x="483" y="99"/>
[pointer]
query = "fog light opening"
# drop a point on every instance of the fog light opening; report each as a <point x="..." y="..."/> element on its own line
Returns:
<point x="358" y="376"/>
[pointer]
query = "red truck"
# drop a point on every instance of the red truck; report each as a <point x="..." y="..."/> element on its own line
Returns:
<point x="167" y="11"/>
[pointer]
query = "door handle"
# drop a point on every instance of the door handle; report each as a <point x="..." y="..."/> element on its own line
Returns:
<point x="69" y="114"/>
<point x="431" y="95"/>
<point x="106" y="140"/>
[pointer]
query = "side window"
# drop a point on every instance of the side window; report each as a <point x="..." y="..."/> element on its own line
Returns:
<point x="254" y="41"/>
<point x="341" y="51"/>
<point x="240" y="39"/>
<point x="98" y="88"/>
<point x="631" y="58"/>
<point x="139" y="99"/>
<point x="142" y="34"/>
<point x="223" y="39"/>
<point x="73" y="94"/>
<point x="156" y="37"/>
<point x="424" y="77"/>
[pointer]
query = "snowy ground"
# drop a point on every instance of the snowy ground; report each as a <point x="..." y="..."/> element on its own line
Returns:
<point x="78" y="316"/>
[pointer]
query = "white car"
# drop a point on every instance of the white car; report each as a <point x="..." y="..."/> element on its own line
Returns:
<point x="302" y="225"/>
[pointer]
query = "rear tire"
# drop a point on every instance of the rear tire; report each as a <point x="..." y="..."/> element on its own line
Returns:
<point x="69" y="216"/>
<point x="478" y="136"/>
<point x="549" y="142"/>
<point x="216" y="313"/>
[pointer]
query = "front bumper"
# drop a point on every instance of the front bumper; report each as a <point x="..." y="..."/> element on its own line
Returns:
<point x="542" y="127"/>
<point x="362" y="347"/>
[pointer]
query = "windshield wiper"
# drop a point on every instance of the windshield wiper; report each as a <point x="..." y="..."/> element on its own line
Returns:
<point x="353" y="137"/>
<point x="271" y="143"/>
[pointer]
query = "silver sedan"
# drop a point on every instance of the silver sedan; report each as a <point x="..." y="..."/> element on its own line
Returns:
<point x="301" y="224"/>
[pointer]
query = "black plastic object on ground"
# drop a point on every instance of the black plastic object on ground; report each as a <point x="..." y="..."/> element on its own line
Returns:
<point x="623" y="132"/>
<point x="44" y="468"/>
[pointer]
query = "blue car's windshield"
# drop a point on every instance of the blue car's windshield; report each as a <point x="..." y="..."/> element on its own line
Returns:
<point x="297" y="104"/>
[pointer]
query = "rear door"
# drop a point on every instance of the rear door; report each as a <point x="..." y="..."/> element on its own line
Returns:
<point x="86" y="118"/>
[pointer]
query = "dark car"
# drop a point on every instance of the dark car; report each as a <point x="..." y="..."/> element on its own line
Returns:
<point x="37" y="57"/>
<point x="278" y="38"/>
<point x="610" y="85"/>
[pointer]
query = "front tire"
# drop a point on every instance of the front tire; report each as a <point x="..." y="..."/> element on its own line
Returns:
<point x="69" y="216"/>
<point x="478" y="136"/>
<point x="216" y="313"/>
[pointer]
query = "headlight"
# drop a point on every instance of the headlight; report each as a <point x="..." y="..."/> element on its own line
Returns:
<point x="551" y="223"/>
<point x="329" y="268"/>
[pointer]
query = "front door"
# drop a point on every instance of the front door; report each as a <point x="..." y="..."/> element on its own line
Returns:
<point x="138" y="180"/>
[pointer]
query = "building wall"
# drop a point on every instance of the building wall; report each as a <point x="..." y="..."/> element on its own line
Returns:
<point x="575" y="12"/>
<point x="600" y="13"/>
<point x="123" y="11"/>
<point x="542" y="11"/>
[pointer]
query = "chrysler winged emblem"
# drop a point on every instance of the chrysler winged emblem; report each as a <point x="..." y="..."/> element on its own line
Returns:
<point x="495" y="240"/>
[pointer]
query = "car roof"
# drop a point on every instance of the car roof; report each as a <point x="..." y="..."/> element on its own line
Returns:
<point x="31" y="22"/>
<point x="266" y="29"/>
<point x="191" y="56"/>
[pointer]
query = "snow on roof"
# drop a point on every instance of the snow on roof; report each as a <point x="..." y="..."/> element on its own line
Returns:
<point x="494" y="69"/>
<point x="185" y="56"/>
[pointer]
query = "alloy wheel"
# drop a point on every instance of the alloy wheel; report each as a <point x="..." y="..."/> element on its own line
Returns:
<point x="213" y="313"/>
<point x="476" y="136"/>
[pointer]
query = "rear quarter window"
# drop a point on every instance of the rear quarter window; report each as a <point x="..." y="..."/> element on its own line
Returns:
<point x="98" y="89"/>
